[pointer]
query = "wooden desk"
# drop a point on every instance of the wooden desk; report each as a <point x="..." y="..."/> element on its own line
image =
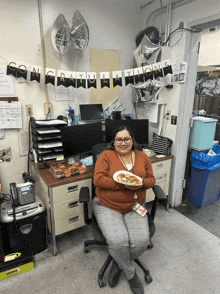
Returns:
<point x="61" y="196"/>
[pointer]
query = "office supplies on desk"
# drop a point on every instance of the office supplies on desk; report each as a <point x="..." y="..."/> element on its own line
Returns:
<point x="46" y="138"/>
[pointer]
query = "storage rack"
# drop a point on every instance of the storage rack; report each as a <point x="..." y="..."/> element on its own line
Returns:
<point x="46" y="138"/>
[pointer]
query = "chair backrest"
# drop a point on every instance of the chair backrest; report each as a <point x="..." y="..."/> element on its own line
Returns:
<point x="97" y="149"/>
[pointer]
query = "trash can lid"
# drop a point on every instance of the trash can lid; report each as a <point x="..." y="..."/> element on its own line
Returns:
<point x="204" y="119"/>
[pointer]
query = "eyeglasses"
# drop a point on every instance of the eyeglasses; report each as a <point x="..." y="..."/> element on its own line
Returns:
<point x="120" y="140"/>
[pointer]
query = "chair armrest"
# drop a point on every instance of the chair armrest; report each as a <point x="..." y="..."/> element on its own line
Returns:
<point x="158" y="192"/>
<point x="84" y="196"/>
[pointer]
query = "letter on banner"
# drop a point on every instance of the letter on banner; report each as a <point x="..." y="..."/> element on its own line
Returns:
<point x="105" y="79"/>
<point x="167" y="68"/>
<point x="129" y="76"/>
<point x="49" y="76"/>
<point x="148" y="72"/>
<point x="22" y="71"/>
<point x="62" y="78"/>
<point x="35" y="73"/>
<point x="81" y="79"/>
<point x="117" y="78"/>
<point x="71" y="78"/>
<point x="12" y="69"/>
<point x="91" y="80"/>
<point x="157" y="70"/>
<point x="138" y="75"/>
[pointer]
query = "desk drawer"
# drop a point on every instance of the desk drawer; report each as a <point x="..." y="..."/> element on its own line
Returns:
<point x="67" y="208"/>
<point x="163" y="182"/>
<point x="161" y="167"/>
<point x="70" y="191"/>
<point x="69" y="223"/>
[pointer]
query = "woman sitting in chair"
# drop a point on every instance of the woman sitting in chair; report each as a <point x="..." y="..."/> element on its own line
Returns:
<point x="126" y="231"/>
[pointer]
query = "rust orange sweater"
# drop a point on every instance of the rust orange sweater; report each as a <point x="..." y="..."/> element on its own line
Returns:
<point x="114" y="195"/>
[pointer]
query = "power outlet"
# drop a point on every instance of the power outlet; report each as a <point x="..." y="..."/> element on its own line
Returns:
<point x="29" y="109"/>
<point x="47" y="106"/>
<point x="168" y="114"/>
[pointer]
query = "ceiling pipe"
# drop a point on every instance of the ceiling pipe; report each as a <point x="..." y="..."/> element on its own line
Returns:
<point x="168" y="21"/>
<point x="148" y="3"/>
<point x="174" y="5"/>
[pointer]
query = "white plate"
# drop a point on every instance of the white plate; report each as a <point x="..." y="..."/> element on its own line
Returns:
<point x="126" y="173"/>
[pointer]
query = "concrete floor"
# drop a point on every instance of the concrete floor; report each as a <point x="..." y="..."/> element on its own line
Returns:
<point x="207" y="216"/>
<point x="184" y="260"/>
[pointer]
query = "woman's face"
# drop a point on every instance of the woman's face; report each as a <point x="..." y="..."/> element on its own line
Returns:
<point x="123" y="142"/>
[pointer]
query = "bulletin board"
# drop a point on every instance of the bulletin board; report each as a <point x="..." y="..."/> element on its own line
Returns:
<point x="104" y="61"/>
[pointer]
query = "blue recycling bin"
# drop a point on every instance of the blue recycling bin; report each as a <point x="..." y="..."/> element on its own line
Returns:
<point x="204" y="185"/>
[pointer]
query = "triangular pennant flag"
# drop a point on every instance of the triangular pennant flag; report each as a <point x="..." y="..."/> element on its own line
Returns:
<point x="22" y="72"/>
<point x="49" y="76"/>
<point x="61" y="78"/>
<point x="12" y="69"/>
<point x="117" y="78"/>
<point x="105" y="79"/>
<point x="81" y="79"/>
<point x="138" y="75"/>
<point x="157" y="70"/>
<point x="129" y="76"/>
<point x="35" y="73"/>
<point x="71" y="79"/>
<point x="167" y="68"/>
<point x="148" y="72"/>
<point x="91" y="80"/>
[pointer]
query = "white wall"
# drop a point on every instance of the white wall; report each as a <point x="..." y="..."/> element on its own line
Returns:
<point x="112" y="25"/>
<point x="209" y="47"/>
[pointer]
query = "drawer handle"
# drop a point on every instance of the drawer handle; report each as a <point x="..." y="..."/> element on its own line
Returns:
<point x="73" y="188"/>
<point x="73" y="204"/>
<point x="73" y="219"/>
<point x="159" y="165"/>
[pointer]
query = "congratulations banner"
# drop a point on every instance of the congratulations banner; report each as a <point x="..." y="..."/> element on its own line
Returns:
<point x="87" y="80"/>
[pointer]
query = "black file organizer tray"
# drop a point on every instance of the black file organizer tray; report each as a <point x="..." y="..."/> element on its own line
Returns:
<point x="43" y="135"/>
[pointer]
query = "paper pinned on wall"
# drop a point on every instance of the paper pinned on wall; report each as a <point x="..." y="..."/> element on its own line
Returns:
<point x="151" y="112"/>
<point x="6" y="83"/>
<point x="63" y="93"/>
<point x="23" y="139"/>
<point x="115" y="105"/>
<point x="10" y="115"/>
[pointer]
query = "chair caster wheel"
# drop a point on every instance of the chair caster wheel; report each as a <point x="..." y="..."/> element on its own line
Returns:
<point x="86" y="249"/>
<point x="101" y="282"/>
<point x="151" y="245"/>
<point x="148" y="279"/>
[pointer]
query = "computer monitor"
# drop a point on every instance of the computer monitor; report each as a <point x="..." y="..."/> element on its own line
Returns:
<point x="91" y="112"/>
<point x="138" y="126"/>
<point x="79" y="139"/>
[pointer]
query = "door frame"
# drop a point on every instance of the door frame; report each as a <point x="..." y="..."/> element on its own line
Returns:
<point x="191" y="55"/>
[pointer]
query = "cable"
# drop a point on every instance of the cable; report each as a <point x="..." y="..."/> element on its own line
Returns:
<point x="193" y="31"/>
<point x="177" y="40"/>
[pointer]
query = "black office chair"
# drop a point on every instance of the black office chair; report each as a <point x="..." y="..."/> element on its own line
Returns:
<point x="99" y="239"/>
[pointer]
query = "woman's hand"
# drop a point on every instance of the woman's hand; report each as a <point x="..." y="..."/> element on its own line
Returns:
<point x="135" y="188"/>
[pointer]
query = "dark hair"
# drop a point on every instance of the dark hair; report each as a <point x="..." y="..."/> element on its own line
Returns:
<point x="119" y="129"/>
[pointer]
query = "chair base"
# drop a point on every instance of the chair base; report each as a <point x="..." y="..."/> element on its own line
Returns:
<point x="101" y="279"/>
<point x="87" y="243"/>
